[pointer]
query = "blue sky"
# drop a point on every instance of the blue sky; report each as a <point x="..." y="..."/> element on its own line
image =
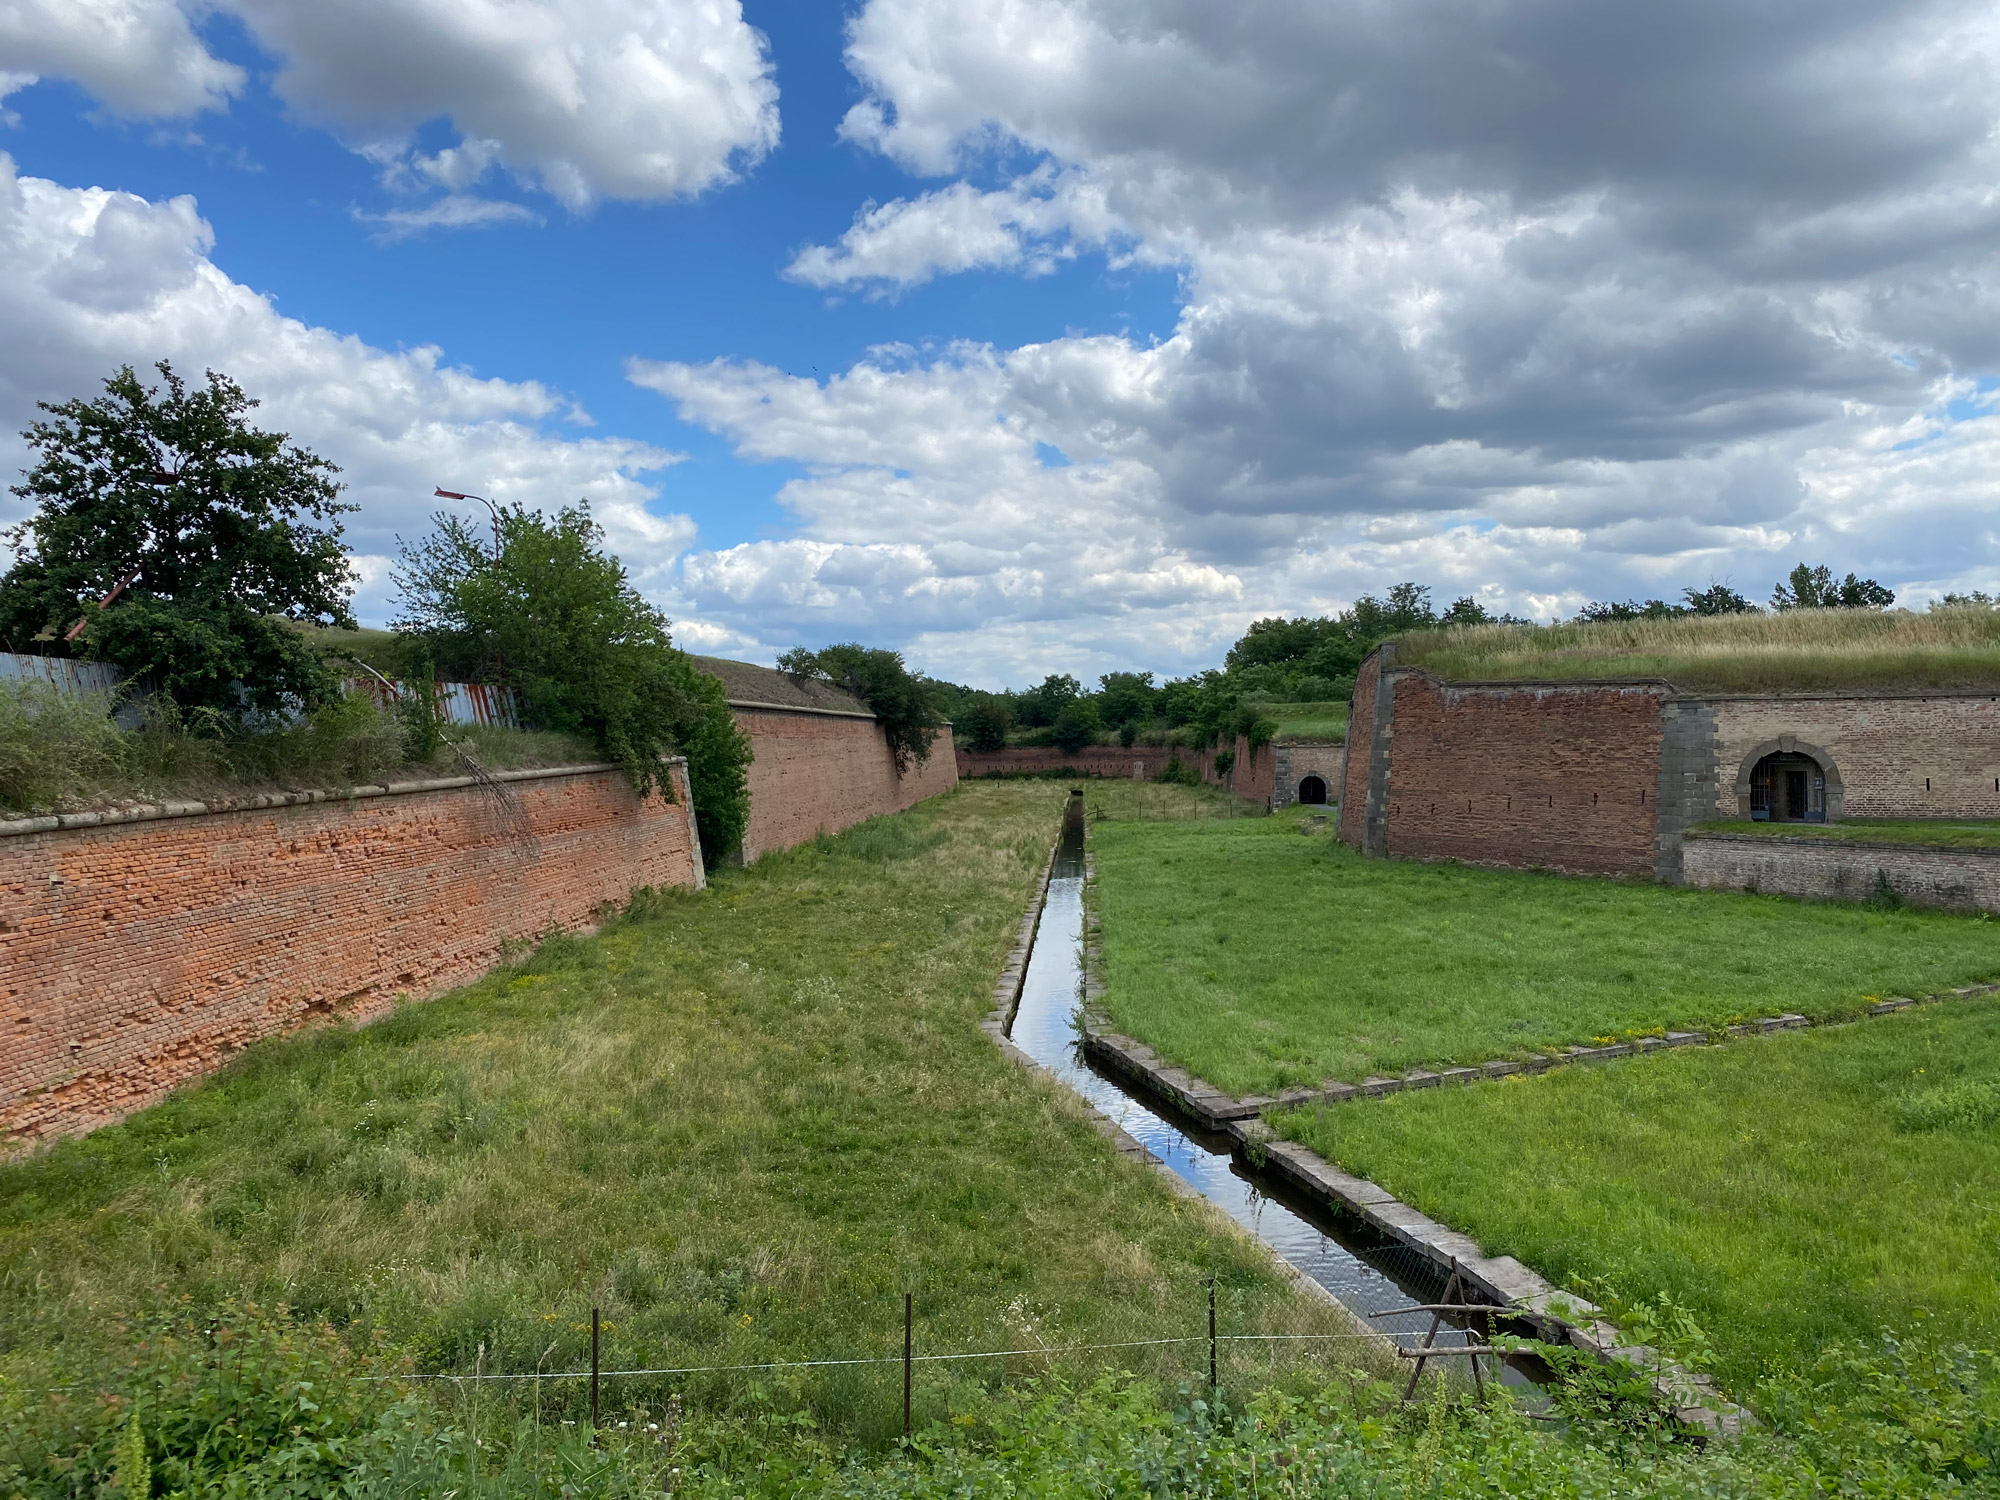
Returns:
<point x="1056" y="334"/>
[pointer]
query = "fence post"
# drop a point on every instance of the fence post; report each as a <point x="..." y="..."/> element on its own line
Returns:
<point x="909" y="1305"/>
<point x="593" y="1369"/>
<point x="1211" y="1335"/>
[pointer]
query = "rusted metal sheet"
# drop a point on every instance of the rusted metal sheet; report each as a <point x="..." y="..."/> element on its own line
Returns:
<point x="457" y="702"/>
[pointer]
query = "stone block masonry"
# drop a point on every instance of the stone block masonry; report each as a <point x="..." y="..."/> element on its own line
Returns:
<point x="1830" y="869"/>
<point x="140" y="949"/>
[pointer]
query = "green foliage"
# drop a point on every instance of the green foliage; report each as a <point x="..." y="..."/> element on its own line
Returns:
<point x="1126" y="698"/>
<point x="1815" y="588"/>
<point x="56" y="749"/>
<point x="1040" y="707"/>
<point x="983" y="723"/>
<point x="902" y="702"/>
<point x="552" y="616"/>
<point x="1225" y="762"/>
<point x="1077" y="725"/>
<point x="214" y="535"/>
<point x="1177" y="772"/>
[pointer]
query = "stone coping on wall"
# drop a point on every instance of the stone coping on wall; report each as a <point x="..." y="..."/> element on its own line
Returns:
<point x="1676" y="691"/>
<point x="147" y="812"/>
<point x="1558" y="1317"/>
<point x="797" y="708"/>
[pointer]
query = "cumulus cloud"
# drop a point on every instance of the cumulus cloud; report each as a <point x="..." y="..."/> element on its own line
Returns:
<point x="140" y="57"/>
<point x="586" y="99"/>
<point x="1560" y="298"/>
<point x="97" y="279"/>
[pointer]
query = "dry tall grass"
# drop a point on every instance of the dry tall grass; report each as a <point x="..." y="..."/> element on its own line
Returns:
<point x="1801" y="651"/>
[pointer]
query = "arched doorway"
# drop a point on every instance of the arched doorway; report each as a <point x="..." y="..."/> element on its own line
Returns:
<point x="1787" y="787"/>
<point x="1312" y="790"/>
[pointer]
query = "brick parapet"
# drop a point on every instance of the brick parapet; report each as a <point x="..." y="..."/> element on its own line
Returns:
<point x="1833" y="869"/>
<point x="139" y="953"/>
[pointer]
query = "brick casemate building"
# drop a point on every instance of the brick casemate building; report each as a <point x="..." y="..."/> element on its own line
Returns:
<point x="1604" y="777"/>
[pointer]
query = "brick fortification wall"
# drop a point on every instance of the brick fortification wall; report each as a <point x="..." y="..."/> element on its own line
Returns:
<point x="140" y="954"/>
<point x="1251" y="776"/>
<point x="1935" y="756"/>
<point x="1566" y="777"/>
<point x="815" y="771"/>
<point x="1837" y="870"/>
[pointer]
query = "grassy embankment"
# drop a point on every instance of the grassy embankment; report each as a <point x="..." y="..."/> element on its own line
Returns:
<point x="1802" y="651"/>
<point x="1786" y="1190"/>
<point x="1307" y="721"/>
<point x="742" y="1122"/>
<point x="1258" y="956"/>
<point x="1950" y="833"/>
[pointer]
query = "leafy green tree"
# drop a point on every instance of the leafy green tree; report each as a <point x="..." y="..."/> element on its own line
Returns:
<point x="550" y="614"/>
<point x="984" y="722"/>
<point x="1077" y="725"/>
<point x="1039" y="707"/>
<point x="183" y="539"/>
<point x="1717" y="599"/>
<point x="1126" y="697"/>
<point x="902" y="702"/>
<point x="1816" y="588"/>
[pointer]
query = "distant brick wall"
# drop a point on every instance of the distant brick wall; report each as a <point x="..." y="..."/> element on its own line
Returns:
<point x="1561" y="776"/>
<point x="138" y="955"/>
<point x="1935" y="756"/>
<point x="823" y="771"/>
<point x="1834" y="869"/>
<point x="1139" y="763"/>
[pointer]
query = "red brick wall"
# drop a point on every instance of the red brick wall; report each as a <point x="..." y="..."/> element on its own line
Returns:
<point x="1093" y="760"/>
<point x="1565" y="777"/>
<point x="828" y="771"/>
<point x="1360" y="736"/>
<point x="139" y="955"/>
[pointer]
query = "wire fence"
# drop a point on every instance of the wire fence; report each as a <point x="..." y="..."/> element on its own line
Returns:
<point x="885" y="1364"/>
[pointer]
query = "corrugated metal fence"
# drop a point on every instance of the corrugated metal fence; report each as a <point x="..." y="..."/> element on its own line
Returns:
<point x="457" y="702"/>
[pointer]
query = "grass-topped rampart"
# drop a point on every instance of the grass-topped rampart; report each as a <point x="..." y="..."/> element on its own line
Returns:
<point x="1806" y="650"/>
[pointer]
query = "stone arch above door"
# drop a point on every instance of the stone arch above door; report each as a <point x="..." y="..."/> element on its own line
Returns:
<point x="1787" y="744"/>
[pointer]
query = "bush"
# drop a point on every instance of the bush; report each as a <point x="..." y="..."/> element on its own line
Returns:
<point x="1177" y="772"/>
<point x="1225" y="762"/>
<point x="56" y="748"/>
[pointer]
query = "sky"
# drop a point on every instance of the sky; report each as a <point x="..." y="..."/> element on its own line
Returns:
<point x="1031" y="336"/>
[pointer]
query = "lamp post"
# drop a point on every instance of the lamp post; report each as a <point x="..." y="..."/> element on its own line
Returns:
<point x="443" y="494"/>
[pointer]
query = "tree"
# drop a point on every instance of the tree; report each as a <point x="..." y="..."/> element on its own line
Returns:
<point x="1717" y="599"/>
<point x="1466" y="611"/>
<point x="901" y="701"/>
<point x="1126" y="697"/>
<point x="183" y="539"/>
<point x="1977" y="599"/>
<point x="552" y="616"/>
<point x="985" y="722"/>
<point x="1077" y="725"/>
<point x="1815" y="588"/>
<point x="1038" y="707"/>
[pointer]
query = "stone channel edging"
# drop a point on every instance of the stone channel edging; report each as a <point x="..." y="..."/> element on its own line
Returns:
<point x="1557" y="1316"/>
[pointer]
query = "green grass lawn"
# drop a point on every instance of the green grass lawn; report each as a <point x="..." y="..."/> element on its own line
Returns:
<point x="742" y="1122"/>
<point x="1259" y="956"/>
<point x="1789" y="1189"/>
<point x="1955" y="833"/>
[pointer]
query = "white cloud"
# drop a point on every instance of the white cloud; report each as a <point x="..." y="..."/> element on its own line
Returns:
<point x="1556" y="299"/>
<point x="96" y="279"/>
<point x="587" y="99"/>
<point x="453" y="211"/>
<point x="140" y="57"/>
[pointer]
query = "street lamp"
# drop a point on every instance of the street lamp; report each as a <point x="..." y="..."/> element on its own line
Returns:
<point x="454" y="495"/>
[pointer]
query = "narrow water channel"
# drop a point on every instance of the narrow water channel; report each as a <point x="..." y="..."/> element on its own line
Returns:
<point x="1362" y="1271"/>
